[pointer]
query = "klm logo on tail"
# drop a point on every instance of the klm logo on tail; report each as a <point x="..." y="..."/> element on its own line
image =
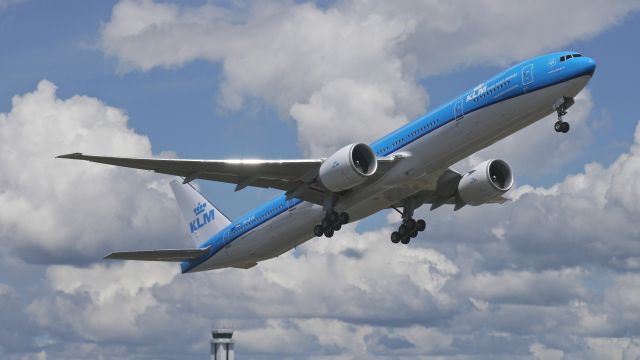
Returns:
<point x="200" y="221"/>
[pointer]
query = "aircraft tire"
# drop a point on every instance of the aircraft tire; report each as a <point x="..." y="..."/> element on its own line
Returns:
<point x="558" y="126"/>
<point x="318" y="230"/>
<point x="410" y="223"/>
<point x="328" y="233"/>
<point x="421" y="225"/>
<point x="395" y="237"/>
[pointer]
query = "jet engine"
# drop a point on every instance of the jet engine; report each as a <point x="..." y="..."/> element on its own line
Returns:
<point x="348" y="167"/>
<point x="485" y="182"/>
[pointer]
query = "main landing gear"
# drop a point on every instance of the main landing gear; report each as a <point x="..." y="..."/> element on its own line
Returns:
<point x="561" y="109"/>
<point x="409" y="228"/>
<point x="331" y="223"/>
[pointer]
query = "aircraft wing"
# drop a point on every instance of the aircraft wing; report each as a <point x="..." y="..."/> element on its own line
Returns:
<point x="159" y="255"/>
<point x="296" y="177"/>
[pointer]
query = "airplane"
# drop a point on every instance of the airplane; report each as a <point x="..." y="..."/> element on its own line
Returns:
<point x="405" y="169"/>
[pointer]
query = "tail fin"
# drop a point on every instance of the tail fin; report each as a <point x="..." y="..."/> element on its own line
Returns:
<point x="204" y="220"/>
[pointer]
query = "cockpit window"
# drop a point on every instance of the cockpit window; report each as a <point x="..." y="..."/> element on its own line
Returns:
<point x="567" y="57"/>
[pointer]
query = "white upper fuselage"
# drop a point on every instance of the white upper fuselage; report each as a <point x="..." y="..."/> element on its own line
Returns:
<point x="502" y="105"/>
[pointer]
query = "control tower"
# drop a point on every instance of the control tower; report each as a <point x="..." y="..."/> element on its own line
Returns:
<point x="221" y="344"/>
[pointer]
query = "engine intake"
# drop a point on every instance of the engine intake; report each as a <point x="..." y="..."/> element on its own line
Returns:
<point x="485" y="182"/>
<point x="348" y="167"/>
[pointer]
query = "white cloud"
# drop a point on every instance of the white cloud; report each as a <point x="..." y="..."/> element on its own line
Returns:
<point x="324" y="68"/>
<point x="57" y="210"/>
<point x="541" y="352"/>
<point x="103" y="303"/>
<point x="524" y="287"/>
<point x="452" y="35"/>
<point x="348" y="72"/>
<point x="345" y="111"/>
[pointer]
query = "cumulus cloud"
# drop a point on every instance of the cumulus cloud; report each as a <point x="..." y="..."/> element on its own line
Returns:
<point x="71" y="212"/>
<point x="135" y="304"/>
<point x="386" y="301"/>
<point x="325" y="68"/>
<point x="531" y="291"/>
<point x="102" y="302"/>
<point x="452" y="35"/>
<point x="347" y="72"/>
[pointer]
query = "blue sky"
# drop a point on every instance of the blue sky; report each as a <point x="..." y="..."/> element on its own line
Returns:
<point x="230" y="79"/>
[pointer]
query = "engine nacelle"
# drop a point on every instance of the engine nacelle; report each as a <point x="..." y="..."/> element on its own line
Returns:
<point x="485" y="182"/>
<point x="348" y="167"/>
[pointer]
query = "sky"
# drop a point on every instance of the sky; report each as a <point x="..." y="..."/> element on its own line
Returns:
<point x="552" y="274"/>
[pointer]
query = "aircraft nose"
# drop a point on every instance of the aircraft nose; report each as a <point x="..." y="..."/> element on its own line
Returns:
<point x="589" y="66"/>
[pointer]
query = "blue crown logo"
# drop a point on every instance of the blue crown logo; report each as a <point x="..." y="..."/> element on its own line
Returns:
<point x="199" y="209"/>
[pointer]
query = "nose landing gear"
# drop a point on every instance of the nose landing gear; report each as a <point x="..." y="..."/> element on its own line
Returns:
<point x="561" y="109"/>
<point x="561" y="126"/>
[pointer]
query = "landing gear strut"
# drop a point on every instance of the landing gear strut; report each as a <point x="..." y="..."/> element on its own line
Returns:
<point x="561" y="109"/>
<point x="331" y="223"/>
<point x="409" y="228"/>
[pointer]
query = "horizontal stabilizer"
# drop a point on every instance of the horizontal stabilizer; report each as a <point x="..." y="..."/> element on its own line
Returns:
<point x="176" y="255"/>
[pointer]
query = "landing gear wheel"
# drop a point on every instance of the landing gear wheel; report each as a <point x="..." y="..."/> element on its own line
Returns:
<point x="410" y="223"/>
<point x="558" y="126"/>
<point x="402" y="229"/>
<point x="328" y="233"/>
<point x="561" y="126"/>
<point x="405" y="240"/>
<point x="318" y="230"/>
<point x="414" y="233"/>
<point x="395" y="237"/>
<point x="421" y="225"/>
<point x="338" y="227"/>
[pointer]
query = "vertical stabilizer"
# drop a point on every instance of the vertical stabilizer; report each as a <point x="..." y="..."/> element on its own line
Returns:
<point x="203" y="219"/>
